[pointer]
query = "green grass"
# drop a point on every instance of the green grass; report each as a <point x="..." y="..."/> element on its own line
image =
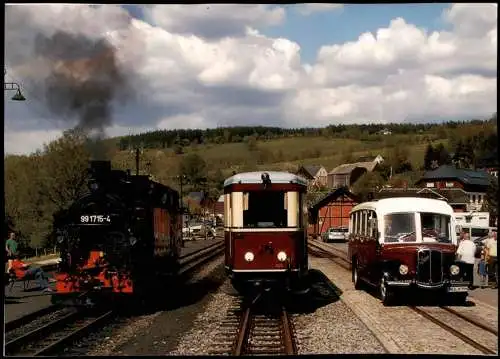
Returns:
<point x="276" y="154"/>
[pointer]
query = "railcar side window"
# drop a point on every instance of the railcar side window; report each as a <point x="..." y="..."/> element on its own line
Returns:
<point x="265" y="210"/>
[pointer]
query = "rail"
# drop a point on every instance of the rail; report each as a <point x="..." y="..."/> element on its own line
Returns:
<point x="473" y="343"/>
<point x="46" y="331"/>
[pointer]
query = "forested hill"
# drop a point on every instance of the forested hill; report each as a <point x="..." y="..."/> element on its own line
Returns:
<point x="221" y="135"/>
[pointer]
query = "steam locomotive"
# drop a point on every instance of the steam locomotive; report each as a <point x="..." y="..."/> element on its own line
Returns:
<point x="120" y="238"/>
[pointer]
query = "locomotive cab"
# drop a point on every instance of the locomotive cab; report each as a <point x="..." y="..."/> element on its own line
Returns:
<point x="265" y="221"/>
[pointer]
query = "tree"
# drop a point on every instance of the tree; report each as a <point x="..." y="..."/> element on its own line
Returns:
<point x="398" y="159"/>
<point x="442" y="155"/>
<point x="491" y="203"/>
<point x="428" y="157"/>
<point x="251" y="143"/>
<point x="193" y="166"/>
<point x="370" y="182"/>
<point x="64" y="169"/>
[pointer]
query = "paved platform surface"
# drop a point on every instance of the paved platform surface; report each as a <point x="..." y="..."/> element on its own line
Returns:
<point x="18" y="302"/>
<point x="486" y="295"/>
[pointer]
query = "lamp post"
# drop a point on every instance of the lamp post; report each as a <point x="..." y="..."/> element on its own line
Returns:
<point x="13" y="86"/>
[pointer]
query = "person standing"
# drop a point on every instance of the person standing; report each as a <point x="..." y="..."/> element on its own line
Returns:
<point x="482" y="269"/>
<point x="11" y="248"/>
<point x="491" y="250"/>
<point x="466" y="254"/>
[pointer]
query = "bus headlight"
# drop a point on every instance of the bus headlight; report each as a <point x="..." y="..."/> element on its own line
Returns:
<point x="282" y="256"/>
<point x="454" y="269"/>
<point x="403" y="269"/>
<point x="249" y="256"/>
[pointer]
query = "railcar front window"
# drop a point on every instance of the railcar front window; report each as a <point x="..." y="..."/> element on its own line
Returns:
<point x="435" y="227"/>
<point x="266" y="209"/>
<point x="399" y="227"/>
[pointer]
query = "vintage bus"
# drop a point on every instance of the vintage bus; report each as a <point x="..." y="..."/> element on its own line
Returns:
<point x="399" y="243"/>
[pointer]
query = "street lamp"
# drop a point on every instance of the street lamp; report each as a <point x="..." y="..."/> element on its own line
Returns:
<point x="14" y="86"/>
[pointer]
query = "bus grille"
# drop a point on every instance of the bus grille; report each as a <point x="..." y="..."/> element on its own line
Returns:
<point x="429" y="266"/>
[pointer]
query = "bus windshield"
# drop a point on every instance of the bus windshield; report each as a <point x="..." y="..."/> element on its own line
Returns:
<point x="266" y="209"/>
<point x="400" y="227"/>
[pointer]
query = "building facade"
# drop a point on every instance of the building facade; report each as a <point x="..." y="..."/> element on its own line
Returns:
<point x="331" y="211"/>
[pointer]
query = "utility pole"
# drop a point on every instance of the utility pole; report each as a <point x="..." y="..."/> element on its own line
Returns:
<point x="181" y="179"/>
<point x="137" y="152"/>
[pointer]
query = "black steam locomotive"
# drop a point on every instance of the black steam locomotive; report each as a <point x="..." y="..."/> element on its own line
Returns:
<point x="121" y="237"/>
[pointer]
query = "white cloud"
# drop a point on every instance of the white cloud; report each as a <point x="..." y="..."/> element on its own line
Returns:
<point x="311" y="8"/>
<point x="194" y="67"/>
<point x="213" y="20"/>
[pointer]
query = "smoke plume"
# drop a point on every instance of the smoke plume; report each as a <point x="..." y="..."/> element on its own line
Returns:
<point x="84" y="82"/>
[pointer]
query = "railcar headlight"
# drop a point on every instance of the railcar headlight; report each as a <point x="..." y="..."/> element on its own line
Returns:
<point x="454" y="269"/>
<point x="403" y="269"/>
<point x="282" y="256"/>
<point x="249" y="256"/>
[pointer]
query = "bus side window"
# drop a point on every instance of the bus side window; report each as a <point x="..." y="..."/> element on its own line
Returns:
<point x="354" y="223"/>
<point x="365" y="224"/>
<point x="358" y="223"/>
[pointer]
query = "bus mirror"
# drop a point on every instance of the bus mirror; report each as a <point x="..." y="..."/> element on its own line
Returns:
<point x="458" y="229"/>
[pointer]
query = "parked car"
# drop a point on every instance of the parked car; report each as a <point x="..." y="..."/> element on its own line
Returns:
<point x="196" y="229"/>
<point x="338" y="234"/>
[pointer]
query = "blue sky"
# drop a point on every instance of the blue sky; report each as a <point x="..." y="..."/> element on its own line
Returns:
<point x="345" y="24"/>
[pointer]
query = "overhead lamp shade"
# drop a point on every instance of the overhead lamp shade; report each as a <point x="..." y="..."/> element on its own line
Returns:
<point x="18" y="96"/>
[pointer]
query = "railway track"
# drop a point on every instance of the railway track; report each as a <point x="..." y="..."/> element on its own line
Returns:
<point x="449" y="323"/>
<point x="486" y="337"/>
<point x="51" y="329"/>
<point x="338" y="257"/>
<point x="54" y="335"/>
<point x="253" y="329"/>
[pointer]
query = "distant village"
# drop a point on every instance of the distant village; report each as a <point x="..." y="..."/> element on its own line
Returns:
<point x="464" y="189"/>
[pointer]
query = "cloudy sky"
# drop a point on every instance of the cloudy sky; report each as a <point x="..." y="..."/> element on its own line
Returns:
<point x="199" y="66"/>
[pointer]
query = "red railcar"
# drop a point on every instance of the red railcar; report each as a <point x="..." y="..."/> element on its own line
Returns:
<point x="265" y="222"/>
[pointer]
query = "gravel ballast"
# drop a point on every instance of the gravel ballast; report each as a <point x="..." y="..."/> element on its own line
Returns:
<point x="398" y="328"/>
<point x="158" y="333"/>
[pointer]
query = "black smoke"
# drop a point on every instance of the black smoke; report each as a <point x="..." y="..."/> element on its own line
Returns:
<point x="84" y="83"/>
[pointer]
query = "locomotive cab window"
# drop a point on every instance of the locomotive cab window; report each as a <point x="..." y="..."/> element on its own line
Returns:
<point x="265" y="209"/>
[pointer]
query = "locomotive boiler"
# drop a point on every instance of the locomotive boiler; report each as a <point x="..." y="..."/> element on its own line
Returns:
<point x="265" y="221"/>
<point x="121" y="237"/>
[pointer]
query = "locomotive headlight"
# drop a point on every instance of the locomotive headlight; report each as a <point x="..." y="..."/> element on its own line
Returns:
<point x="282" y="256"/>
<point x="454" y="269"/>
<point x="249" y="256"/>
<point x="403" y="269"/>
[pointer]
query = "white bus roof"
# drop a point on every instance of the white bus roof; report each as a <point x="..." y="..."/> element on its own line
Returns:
<point x="407" y="204"/>
<point x="255" y="177"/>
